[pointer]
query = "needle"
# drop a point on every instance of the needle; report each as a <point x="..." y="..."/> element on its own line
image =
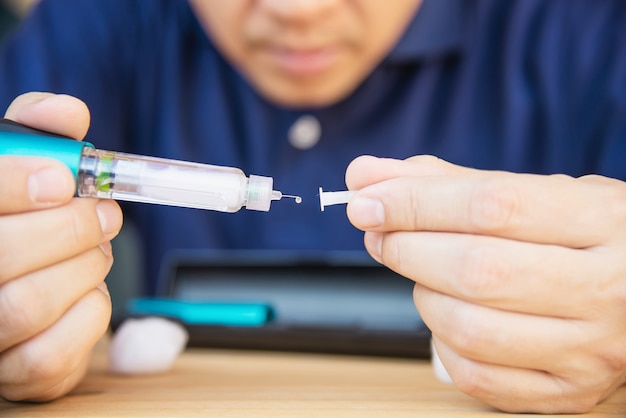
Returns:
<point x="276" y="195"/>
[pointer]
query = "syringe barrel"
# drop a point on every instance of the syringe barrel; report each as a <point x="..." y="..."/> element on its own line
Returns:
<point x="135" y="178"/>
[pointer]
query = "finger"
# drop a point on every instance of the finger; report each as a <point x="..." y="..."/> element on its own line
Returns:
<point x="501" y="273"/>
<point x="40" y="239"/>
<point x="502" y="337"/>
<point x="367" y="170"/>
<point x="517" y="206"/>
<point x="54" y="390"/>
<point x="33" y="183"/>
<point x="516" y="389"/>
<point x="58" y="113"/>
<point x="32" y="303"/>
<point x="31" y="369"/>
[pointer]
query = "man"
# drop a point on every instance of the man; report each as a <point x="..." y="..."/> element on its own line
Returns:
<point x="520" y="277"/>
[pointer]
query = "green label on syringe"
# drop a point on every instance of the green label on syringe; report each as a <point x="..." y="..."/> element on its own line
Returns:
<point x="104" y="180"/>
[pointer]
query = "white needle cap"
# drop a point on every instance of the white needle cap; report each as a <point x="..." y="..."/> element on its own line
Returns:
<point x="334" y="198"/>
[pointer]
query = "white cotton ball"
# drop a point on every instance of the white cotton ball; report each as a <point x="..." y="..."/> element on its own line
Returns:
<point x="146" y="346"/>
<point x="440" y="370"/>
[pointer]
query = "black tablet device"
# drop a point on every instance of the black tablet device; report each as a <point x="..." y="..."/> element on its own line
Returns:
<point x="341" y="302"/>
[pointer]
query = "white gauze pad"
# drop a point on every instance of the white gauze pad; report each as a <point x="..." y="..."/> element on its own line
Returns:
<point x="146" y="346"/>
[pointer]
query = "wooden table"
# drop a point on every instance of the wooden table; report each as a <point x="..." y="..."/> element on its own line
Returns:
<point x="222" y="383"/>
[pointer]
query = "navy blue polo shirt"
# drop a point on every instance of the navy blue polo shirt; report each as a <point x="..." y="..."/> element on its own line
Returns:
<point x="521" y="85"/>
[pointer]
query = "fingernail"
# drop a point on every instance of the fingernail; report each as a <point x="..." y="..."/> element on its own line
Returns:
<point x="367" y="212"/>
<point x="48" y="185"/>
<point x="109" y="216"/>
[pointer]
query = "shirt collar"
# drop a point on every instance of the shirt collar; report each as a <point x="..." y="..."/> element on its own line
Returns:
<point x="435" y="30"/>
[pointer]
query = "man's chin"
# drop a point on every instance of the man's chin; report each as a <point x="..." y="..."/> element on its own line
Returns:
<point x="303" y="97"/>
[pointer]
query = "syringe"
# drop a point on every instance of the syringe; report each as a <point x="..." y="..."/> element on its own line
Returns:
<point x="136" y="178"/>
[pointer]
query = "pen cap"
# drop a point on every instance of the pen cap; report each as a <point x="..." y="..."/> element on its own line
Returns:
<point x="259" y="193"/>
<point x="41" y="144"/>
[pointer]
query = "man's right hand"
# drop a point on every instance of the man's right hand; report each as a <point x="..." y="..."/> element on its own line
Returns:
<point x="55" y="252"/>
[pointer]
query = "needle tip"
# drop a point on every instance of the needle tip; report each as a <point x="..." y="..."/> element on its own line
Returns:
<point x="298" y="199"/>
<point x="276" y="195"/>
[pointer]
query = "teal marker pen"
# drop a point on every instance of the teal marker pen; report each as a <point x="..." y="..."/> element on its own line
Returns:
<point x="135" y="178"/>
<point x="204" y="313"/>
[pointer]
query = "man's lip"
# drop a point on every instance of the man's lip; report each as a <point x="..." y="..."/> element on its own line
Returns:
<point x="303" y="62"/>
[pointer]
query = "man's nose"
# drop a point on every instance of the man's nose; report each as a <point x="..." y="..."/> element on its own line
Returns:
<point x="298" y="10"/>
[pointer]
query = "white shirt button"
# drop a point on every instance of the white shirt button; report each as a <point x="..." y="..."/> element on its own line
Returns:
<point x="305" y="133"/>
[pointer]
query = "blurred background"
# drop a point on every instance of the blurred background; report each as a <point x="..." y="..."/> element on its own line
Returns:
<point x="11" y="12"/>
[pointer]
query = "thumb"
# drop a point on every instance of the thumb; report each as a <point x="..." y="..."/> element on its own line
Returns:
<point x="367" y="170"/>
<point x="58" y="113"/>
<point x="30" y="183"/>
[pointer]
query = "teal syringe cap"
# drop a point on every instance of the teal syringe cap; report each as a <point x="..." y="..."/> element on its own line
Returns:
<point x="65" y="150"/>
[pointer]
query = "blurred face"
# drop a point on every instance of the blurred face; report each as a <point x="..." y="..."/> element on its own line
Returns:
<point x="305" y="53"/>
